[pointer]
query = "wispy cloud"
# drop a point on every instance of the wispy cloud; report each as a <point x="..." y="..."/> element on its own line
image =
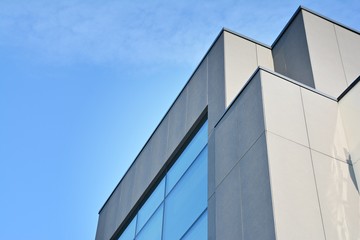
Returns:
<point x="132" y="31"/>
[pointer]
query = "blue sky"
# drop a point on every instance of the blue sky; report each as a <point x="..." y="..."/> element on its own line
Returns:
<point x="83" y="84"/>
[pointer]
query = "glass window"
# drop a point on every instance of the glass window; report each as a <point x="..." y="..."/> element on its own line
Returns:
<point x="187" y="200"/>
<point x="187" y="157"/>
<point x="199" y="230"/>
<point x="152" y="229"/>
<point x="150" y="205"/>
<point x="177" y="208"/>
<point x="129" y="232"/>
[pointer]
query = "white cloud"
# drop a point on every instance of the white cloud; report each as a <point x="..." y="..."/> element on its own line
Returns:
<point x="133" y="31"/>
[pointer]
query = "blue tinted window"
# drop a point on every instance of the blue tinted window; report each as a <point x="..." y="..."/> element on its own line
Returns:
<point x="181" y="213"/>
<point x="187" y="200"/>
<point x="187" y="157"/>
<point x="129" y="232"/>
<point x="152" y="229"/>
<point x="199" y="230"/>
<point x="150" y="205"/>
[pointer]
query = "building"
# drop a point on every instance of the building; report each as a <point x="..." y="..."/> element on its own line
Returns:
<point x="263" y="142"/>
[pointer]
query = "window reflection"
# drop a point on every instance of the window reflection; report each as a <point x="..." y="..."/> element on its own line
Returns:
<point x="199" y="230"/>
<point x="187" y="200"/>
<point x="187" y="157"/>
<point x="129" y="232"/>
<point x="177" y="208"/>
<point x="152" y="229"/>
<point x="150" y="205"/>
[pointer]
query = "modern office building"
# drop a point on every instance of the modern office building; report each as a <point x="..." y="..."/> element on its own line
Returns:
<point x="263" y="142"/>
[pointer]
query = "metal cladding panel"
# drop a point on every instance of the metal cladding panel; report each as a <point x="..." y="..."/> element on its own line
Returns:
<point x="264" y="57"/>
<point x="239" y="128"/>
<point x="211" y="164"/>
<point x="295" y="203"/>
<point x="283" y="108"/>
<point x="197" y="90"/>
<point x="324" y="125"/>
<point x="349" y="46"/>
<point x="216" y="82"/>
<point x="326" y="63"/>
<point x="240" y="63"/>
<point x="338" y="196"/>
<point x="243" y="207"/>
<point x="291" y="53"/>
<point x="349" y="107"/>
<point x="177" y="119"/>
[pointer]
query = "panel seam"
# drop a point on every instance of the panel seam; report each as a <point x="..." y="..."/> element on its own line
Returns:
<point x="312" y="164"/>
<point x="315" y="150"/>
<point x="217" y="185"/>
<point x="341" y="57"/>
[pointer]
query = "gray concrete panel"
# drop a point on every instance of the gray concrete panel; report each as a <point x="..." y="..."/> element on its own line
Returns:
<point x="112" y="221"/>
<point x="152" y="158"/>
<point x="291" y="54"/>
<point x="212" y="218"/>
<point x="243" y="199"/>
<point x="240" y="64"/>
<point x="339" y="197"/>
<point x="177" y="119"/>
<point x="264" y="57"/>
<point x="197" y="91"/>
<point x="101" y="225"/>
<point x="349" y="45"/>
<point x="240" y="127"/>
<point x="295" y="202"/>
<point x="283" y="109"/>
<point x="349" y="107"/>
<point x="228" y="207"/>
<point x="258" y="218"/>
<point x="127" y="200"/>
<point x="324" y="125"/>
<point x="216" y="82"/>
<point x="117" y="207"/>
<point x="211" y="164"/>
<point x="324" y="55"/>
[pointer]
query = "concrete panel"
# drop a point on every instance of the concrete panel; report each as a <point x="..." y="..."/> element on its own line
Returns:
<point x="117" y="207"/>
<point x="216" y="82"/>
<point x="349" y="107"/>
<point x="243" y="199"/>
<point x="112" y="221"/>
<point x="240" y="64"/>
<point x="177" y="119"/>
<point x="241" y="126"/>
<point x="339" y="197"/>
<point x="151" y="160"/>
<point x="258" y="218"/>
<point x="197" y="95"/>
<point x="101" y="225"/>
<point x="283" y="110"/>
<point x="350" y="112"/>
<point x="211" y="164"/>
<point x="324" y="55"/>
<point x="349" y="45"/>
<point x="212" y="218"/>
<point x="295" y="201"/>
<point x="127" y="199"/>
<point x="291" y="54"/>
<point x="228" y="207"/>
<point x="324" y="125"/>
<point x="264" y="57"/>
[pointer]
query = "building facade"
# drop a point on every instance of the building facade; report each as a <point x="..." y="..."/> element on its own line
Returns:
<point x="263" y="142"/>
